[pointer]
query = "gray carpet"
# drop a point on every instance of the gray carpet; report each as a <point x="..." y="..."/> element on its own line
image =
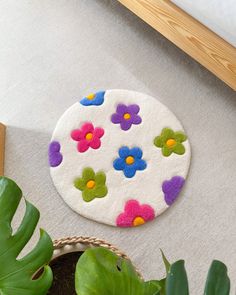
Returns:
<point x="52" y="53"/>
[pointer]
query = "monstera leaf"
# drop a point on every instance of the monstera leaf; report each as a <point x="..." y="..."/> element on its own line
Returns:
<point x="99" y="271"/>
<point x="16" y="274"/>
<point x="218" y="282"/>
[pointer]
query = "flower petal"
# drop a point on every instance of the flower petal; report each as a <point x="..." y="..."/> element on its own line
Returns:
<point x="158" y="141"/>
<point x="167" y="133"/>
<point x="101" y="191"/>
<point x="54" y="155"/>
<point x="86" y="102"/>
<point x="147" y="212"/>
<point x="136" y="152"/>
<point x="136" y="119"/>
<point x="54" y="147"/>
<point x="124" y="152"/>
<point x="99" y="98"/>
<point x="132" y="208"/>
<point x="125" y="124"/>
<point x="180" y="136"/>
<point x="88" y="194"/>
<point x="87" y="127"/>
<point x="100" y="178"/>
<point x="88" y="174"/>
<point x="55" y="159"/>
<point x="95" y="143"/>
<point x="116" y="118"/>
<point x="119" y="164"/>
<point x="80" y="183"/>
<point x="77" y="135"/>
<point x="166" y="151"/>
<point x="179" y="149"/>
<point x="171" y="189"/>
<point x="83" y="145"/>
<point x="140" y="164"/>
<point x="129" y="171"/>
<point x="98" y="132"/>
<point x="124" y="220"/>
<point x="133" y="109"/>
<point x="121" y="109"/>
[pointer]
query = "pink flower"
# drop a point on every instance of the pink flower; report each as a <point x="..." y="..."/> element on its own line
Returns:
<point x="135" y="214"/>
<point x="87" y="136"/>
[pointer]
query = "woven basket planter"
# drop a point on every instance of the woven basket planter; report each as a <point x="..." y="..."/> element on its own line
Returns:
<point x="75" y="244"/>
<point x="79" y="244"/>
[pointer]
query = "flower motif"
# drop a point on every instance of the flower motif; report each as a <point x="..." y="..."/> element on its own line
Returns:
<point x="93" y="99"/>
<point x="130" y="161"/>
<point x="87" y="136"/>
<point x="54" y="155"/>
<point x="170" y="142"/>
<point x="126" y="116"/>
<point x="171" y="189"/>
<point x="135" y="214"/>
<point x="91" y="184"/>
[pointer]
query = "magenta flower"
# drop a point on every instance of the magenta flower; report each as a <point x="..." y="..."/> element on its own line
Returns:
<point x="87" y="136"/>
<point x="126" y="116"/>
<point x="135" y="214"/>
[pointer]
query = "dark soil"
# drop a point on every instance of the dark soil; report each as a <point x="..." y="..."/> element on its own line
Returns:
<point x="63" y="268"/>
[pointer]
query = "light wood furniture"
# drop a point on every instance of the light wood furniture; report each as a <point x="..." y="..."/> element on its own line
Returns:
<point x="2" y="148"/>
<point x="191" y="36"/>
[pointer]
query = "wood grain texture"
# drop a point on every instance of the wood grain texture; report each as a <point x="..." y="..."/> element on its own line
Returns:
<point x="191" y="36"/>
<point x="2" y="148"/>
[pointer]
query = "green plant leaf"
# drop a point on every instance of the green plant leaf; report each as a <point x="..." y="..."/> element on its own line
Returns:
<point x="100" y="271"/>
<point x="16" y="274"/>
<point x="176" y="281"/>
<point x="153" y="287"/>
<point x="166" y="262"/>
<point x="218" y="282"/>
<point x="162" y="284"/>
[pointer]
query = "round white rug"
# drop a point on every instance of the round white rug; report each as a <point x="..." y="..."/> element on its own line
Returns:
<point x="119" y="157"/>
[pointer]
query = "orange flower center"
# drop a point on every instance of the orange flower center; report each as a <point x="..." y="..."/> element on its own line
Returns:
<point x="90" y="184"/>
<point x="170" y="142"/>
<point x="89" y="136"/>
<point x="129" y="160"/>
<point x="138" y="221"/>
<point x="90" y="96"/>
<point x="126" y="116"/>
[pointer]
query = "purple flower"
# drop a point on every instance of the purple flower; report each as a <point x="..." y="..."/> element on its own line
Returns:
<point x="126" y="116"/>
<point x="54" y="155"/>
<point x="171" y="189"/>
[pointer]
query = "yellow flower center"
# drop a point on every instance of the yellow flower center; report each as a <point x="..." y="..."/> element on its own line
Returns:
<point x="89" y="136"/>
<point x="90" y="184"/>
<point x="138" y="221"/>
<point x="127" y="116"/>
<point x="90" y="96"/>
<point x="170" y="142"/>
<point x="129" y="160"/>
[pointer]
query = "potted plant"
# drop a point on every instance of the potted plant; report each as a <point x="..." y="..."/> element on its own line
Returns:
<point x="82" y="266"/>
<point x="16" y="274"/>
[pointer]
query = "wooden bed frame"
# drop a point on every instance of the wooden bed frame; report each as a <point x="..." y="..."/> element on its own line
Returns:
<point x="190" y="35"/>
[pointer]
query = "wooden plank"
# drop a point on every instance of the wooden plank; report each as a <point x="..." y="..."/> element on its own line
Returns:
<point x="2" y="148"/>
<point x="191" y="36"/>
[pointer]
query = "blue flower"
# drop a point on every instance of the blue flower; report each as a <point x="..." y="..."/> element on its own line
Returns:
<point x="93" y="99"/>
<point x="130" y="161"/>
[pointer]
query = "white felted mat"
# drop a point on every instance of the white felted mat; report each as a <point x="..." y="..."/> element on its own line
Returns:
<point x="119" y="157"/>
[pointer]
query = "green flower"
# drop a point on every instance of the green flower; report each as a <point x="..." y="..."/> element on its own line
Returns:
<point x="170" y="142"/>
<point x="91" y="184"/>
